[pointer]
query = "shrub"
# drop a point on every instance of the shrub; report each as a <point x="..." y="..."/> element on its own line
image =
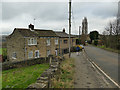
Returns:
<point x="4" y="54"/>
<point x="96" y="42"/>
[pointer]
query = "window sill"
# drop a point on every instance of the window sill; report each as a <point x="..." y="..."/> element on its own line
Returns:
<point x="13" y="58"/>
<point x="31" y="44"/>
<point x="36" y="57"/>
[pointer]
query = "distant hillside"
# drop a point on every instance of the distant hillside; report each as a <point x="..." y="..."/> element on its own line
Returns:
<point x="3" y="40"/>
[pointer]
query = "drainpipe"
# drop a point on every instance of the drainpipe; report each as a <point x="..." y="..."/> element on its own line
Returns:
<point x="59" y="46"/>
<point x="25" y="48"/>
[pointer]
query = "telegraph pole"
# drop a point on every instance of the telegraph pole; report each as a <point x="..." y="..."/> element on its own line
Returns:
<point x="79" y="34"/>
<point x="69" y="28"/>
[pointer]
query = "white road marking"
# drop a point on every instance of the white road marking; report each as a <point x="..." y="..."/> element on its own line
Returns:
<point x="105" y="80"/>
<point x="106" y="75"/>
<point x="103" y="72"/>
<point x="93" y="66"/>
<point x="99" y="73"/>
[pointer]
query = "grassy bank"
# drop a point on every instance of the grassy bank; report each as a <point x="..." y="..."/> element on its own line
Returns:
<point x="108" y="49"/>
<point x="105" y="48"/>
<point x="66" y="78"/>
<point x="22" y="77"/>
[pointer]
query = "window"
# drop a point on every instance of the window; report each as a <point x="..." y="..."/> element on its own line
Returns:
<point x="32" y="41"/>
<point x="37" y="54"/>
<point x="48" y="42"/>
<point x="48" y="53"/>
<point x="14" y="55"/>
<point x="30" y="54"/>
<point x="65" y="41"/>
<point x="56" y="52"/>
<point x="56" y="41"/>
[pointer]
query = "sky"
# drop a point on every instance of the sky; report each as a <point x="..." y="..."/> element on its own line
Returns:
<point x="54" y="15"/>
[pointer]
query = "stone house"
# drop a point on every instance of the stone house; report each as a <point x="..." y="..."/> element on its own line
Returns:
<point x="31" y="43"/>
<point x="64" y="41"/>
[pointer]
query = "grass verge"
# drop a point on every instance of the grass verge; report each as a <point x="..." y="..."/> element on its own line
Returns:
<point x="66" y="78"/>
<point x="22" y="77"/>
<point x="108" y="49"/>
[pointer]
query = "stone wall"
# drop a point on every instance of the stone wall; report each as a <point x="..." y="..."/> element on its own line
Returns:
<point x="45" y="80"/>
<point x="18" y="64"/>
<point x="64" y="47"/>
<point x="42" y="46"/>
<point x="18" y="44"/>
<point x="15" y="43"/>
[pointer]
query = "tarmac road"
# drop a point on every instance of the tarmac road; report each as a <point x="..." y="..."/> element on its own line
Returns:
<point x="86" y="76"/>
<point x="107" y="61"/>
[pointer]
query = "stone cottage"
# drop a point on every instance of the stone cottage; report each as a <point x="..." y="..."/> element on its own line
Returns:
<point x="64" y="41"/>
<point x="31" y="43"/>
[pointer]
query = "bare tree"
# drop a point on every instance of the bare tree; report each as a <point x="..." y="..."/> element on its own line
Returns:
<point x="112" y="34"/>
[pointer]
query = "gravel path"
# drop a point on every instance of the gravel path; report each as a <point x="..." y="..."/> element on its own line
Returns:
<point x="86" y="76"/>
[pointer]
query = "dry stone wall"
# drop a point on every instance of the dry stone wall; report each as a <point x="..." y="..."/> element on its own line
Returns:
<point x="18" y="64"/>
<point x="44" y="81"/>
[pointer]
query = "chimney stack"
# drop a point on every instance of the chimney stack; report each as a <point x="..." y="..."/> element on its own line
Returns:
<point x="64" y="30"/>
<point x="31" y="27"/>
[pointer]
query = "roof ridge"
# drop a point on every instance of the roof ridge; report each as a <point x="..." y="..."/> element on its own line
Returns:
<point x="21" y="28"/>
<point x="34" y="29"/>
<point x="43" y="30"/>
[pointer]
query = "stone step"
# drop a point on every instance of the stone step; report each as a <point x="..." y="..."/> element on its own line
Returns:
<point x="42" y="81"/>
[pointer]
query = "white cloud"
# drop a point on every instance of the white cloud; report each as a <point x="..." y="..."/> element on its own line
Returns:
<point x="55" y="15"/>
<point x="60" y="0"/>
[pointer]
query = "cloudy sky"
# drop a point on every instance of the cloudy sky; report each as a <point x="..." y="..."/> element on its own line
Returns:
<point x="54" y="15"/>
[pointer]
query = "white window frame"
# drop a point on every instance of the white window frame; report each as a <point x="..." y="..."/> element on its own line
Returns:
<point x="38" y="54"/>
<point x="32" y="41"/>
<point x="48" y="53"/>
<point x="29" y="54"/>
<point x="56" y="41"/>
<point x="48" y="42"/>
<point x="14" y="55"/>
<point x="56" y="52"/>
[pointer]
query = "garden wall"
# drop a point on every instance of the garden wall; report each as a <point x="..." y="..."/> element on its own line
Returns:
<point x="45" y="80"/>
<point x="18" y="64"/>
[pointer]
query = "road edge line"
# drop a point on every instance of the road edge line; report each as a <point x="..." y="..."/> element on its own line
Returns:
<point x="102" y="71"/>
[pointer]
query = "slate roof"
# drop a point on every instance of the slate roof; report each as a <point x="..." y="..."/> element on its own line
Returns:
<point x="63" y="34"/>
<point x="36" y="32"/>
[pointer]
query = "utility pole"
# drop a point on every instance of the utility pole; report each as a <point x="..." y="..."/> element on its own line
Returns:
<point x="79" y="34"/>
<point x="69" y="28"/>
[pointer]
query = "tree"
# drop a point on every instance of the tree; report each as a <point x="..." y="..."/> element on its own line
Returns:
<point x="94" y="35"/>
<point x="111" y="40"/>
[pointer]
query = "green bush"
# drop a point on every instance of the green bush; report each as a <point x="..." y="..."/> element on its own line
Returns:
<point x="102" y="46"/>
<point x="3" y="51"/>
<point x="96" y="42"/>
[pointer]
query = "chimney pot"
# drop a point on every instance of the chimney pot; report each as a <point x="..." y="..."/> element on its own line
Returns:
<point x="31" y="27"/>
<point x="63" y="29"/>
